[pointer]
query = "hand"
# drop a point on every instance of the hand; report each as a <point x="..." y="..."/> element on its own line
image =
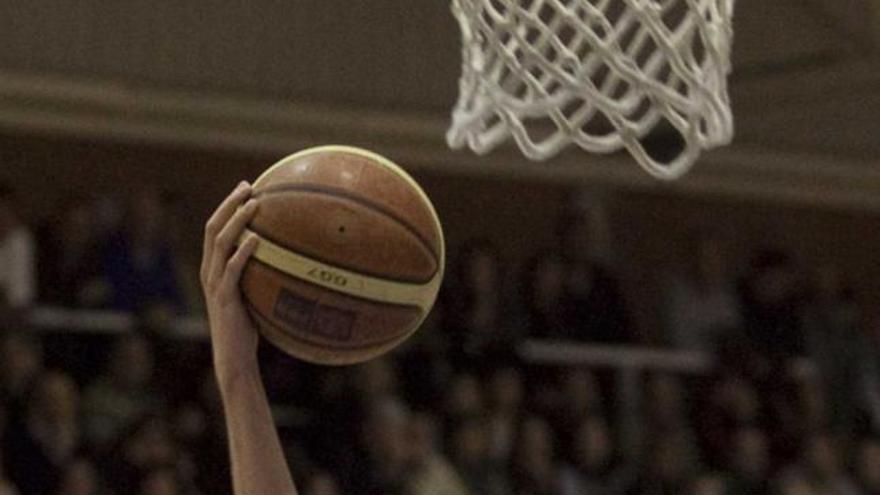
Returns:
<point x="234" y="338"/>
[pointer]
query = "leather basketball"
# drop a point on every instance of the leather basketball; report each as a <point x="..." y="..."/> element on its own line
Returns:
<point x="350" y="255"/>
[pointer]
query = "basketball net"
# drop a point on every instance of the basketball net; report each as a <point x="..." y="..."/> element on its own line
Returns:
<point x="601" y="74"/>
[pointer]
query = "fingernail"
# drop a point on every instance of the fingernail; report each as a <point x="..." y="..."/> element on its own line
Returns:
<point x="242" y="186"/>
<point x="251" y="205"/>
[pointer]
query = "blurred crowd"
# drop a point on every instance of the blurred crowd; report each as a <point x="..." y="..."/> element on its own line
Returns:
<point x="791" y="406"/>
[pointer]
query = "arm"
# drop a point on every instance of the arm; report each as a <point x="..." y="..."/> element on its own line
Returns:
<point x="258" y="464"/>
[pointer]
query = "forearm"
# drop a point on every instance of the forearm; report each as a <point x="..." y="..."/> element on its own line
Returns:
<point x="258" y="464"/>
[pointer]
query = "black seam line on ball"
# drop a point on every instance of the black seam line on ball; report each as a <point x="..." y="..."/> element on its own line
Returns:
<point x="347" y="195"/>
<point x="334" y="263"/>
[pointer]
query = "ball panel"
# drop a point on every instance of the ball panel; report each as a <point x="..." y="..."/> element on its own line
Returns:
<point x="362" y="177"/>
<point x="320" y="317"/>
<point x="340" y="231"/>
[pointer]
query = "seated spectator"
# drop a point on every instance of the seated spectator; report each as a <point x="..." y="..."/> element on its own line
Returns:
<point x="68" y="263"/>
<point x="375" y="379"/>
<point x="596" y="468"/>
<point x="384" y="468"/>
<point x="833" y="325"/>
<point x="17" y="255"/>
<point x="122" y="394"/>
<point x="542" y="290"/>
<point x="671" y="462"/>
<point x="138" y="261"/>
<point x="772" y="299"/>
<point x="506" y="391"/>
<point x="749" y="463"/>
<point x="320" y="483"/>
<point x="533" y="467"/>
<point x="464" y="398"/>
<point x="732" y="403"/>
<point x="820" y="468"/>
<point x="868" y="465"/>
<point x="577" y="396"/>
<point x="46" y="439"/>
<point x="702" y="300"/>
<point x="430" y="472"/>
<point x="790" y="484"/>
<point x="475" y="306"/>
<point x="145" y="446"/>
<point x="867" y="389"/>
<point x="667" y="409"/>
<point x="593" y="304"/>
<point x="208" y="445"/>
<point x="470" y="456"/>
<point x="79" y="478"/>
<point x="160" y="481"/>
<point x="21" y="362"/>
<point x="708" y="484"/>
<point x="6" y="485"/>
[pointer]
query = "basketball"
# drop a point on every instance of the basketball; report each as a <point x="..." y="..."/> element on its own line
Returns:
<point x="350" y="255"/>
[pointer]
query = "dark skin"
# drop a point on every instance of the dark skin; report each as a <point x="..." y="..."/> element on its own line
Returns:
<point x="258" y="464"/>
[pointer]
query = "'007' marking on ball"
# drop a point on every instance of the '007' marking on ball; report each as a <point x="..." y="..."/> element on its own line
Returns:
<point x="328" y="276"/>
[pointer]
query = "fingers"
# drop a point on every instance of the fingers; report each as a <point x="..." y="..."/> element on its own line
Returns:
<point x="225" y="241"/>
<point x="238" y="260"/>
<point x="219" y="219"/>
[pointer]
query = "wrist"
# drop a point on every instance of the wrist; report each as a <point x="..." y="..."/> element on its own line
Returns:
<point x="232" y="377"/>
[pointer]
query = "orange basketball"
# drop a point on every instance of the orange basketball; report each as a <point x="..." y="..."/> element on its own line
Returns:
<point x="350" y="255"/>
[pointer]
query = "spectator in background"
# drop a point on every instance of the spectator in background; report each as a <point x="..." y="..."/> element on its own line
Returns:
<point x="384" y="468"/>
<point x="708" y="484"/>
<point x="702" y="299"/>
<point x="835" y="342"/>
<point x="772" y="298"/>
<point x="146" y="445"/>
<point x="6" y="486"/>
<point x="430" y="472"/>
<point x="464" y="398"/>
<point x="671" y="462"/>
<point x="749" y="463"/>
<point x="506" y="393"/>
<point x="79" y="478"/>
<point x="21" y="362"/>
<point x="68" y="262"/>
<point x="596" y="467"/>
<point x="533" y="466"/>
<point x="543" y="287"/>
<point x="470" y="456"/>
<point x="820" y="467"/>
<point x="731" y="403"/>
<point x="593" y="304"/>
<point x="209" y="445"/>
<point x="867" y="389"/>
<point x="475" y="306"/>
<point x="17" y="255"/>
<point x="868" y="465"/>
<point x="320" y="483"/>
<point x="40" y="445"/>
<point x="576" y="397"/>
<point x="667" y="407"/>
<point x="122" y="394"/>
<point x="138" y="261"/>
<point x="160" y="481"/>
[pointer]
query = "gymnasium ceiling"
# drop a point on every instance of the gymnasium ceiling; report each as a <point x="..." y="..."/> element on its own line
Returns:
<point x="272" y="76"/>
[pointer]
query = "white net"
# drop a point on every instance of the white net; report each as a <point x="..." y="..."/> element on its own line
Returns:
<point x="601" y="74"/>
